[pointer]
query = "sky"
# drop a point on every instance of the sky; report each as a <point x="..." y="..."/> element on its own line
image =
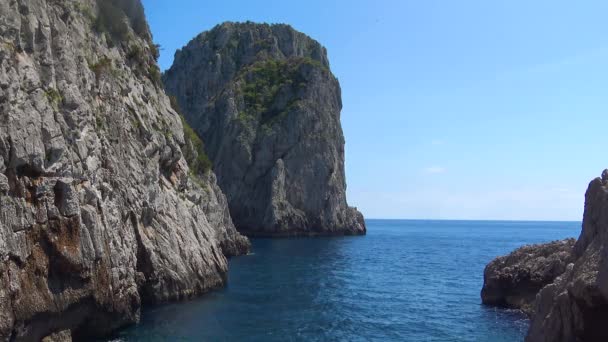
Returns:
<point x="452" y="109"/>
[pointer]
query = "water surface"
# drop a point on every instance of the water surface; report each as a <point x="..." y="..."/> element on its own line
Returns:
<point x="405" y="281"/>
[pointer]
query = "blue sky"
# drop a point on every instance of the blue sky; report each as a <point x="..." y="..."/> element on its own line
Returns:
<point x="452" y="109"/>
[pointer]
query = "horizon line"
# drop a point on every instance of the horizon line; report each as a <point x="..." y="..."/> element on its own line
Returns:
<point x="464" y="220"/>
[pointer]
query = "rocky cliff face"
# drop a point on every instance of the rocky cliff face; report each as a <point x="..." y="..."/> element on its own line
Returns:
<point x="574" y="306"/>
<point x="514" y="280"/>
<point x="99" y="210"/>
<point x="264" y="101"/>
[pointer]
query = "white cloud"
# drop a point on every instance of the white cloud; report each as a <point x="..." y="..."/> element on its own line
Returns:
<point x="435" y="169"/>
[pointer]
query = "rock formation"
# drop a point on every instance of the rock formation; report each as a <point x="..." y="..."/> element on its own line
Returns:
<point x="574" y="306"/>
<point x="514" y="280"/>
<point x="99" y="209"/>
<point x="267" y="106"/>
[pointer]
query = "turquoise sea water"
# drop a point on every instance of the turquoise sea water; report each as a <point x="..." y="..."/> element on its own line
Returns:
<point x="405" y="281"/>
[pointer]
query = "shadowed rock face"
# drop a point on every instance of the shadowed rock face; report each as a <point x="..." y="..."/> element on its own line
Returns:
<point x="97" y="209"/>
<point x="263" y="99"/>
<point x="514" y="280"/>
<point x="574" y="306"/>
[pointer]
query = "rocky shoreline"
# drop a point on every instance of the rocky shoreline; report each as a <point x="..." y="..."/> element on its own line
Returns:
<point x="562" y="285"/>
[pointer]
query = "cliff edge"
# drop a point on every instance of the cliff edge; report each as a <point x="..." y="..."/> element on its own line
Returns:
<point x="99" y="208"/>
<point x="267" y="106"/>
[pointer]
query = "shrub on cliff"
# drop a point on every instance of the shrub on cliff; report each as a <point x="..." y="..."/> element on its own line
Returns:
<point x="154" y="75"/>
<point x="194" y="149"/>
<point x="54" y="97"/>
<point x="262" y="82"/>
<point x="101" y="67"/>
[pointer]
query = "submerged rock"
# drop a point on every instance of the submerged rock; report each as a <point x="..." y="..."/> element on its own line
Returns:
<point x="267" y="106"/>
<point x="99" y="210"/>
<point x="574" y="306"/>
<point x="514" y="280"/>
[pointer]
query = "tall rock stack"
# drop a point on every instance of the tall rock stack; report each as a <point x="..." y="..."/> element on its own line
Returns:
<point x="99" y="209"/>
<point x="267" y="106"/>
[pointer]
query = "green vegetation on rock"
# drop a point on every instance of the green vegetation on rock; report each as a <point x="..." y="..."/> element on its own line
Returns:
<point x="142" y="65"/>
<point x="154" y="74"/>
<point x="194" y="149"/>
<point x="155" y="48"/>
<point x="54" y="97"/>
<point x="101" y="67"/>
<point x="85" y="10"/>
<point x="263" y="81"/>
<point x="269" y="108"/>
<point x="136" y="54"/>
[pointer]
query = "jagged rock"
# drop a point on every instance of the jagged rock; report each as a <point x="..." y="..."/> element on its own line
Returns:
<point x="267" y="106"/>
<point x="514" y="280"/>
<point x="98" y="210"/>
<point x="574" y="306"/>
<point x="4" y="187"/>
<point x="62" y="336"/>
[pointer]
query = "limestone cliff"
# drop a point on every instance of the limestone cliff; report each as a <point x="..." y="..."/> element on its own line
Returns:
<point x="267" y="106"/>
<point x="574" y="305"/>
<point x="99" y="209"/>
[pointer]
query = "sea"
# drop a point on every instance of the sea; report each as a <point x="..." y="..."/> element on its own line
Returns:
<point x="406" y="280"/>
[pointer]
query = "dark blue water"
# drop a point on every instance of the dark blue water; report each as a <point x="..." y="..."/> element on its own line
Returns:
<point x="404" y="281"/>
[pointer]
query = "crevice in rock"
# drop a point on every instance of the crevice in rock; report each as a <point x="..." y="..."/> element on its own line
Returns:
<point x="28" y="170"/>
<point x="144" y="263"/>
<point x="59" y="192"/>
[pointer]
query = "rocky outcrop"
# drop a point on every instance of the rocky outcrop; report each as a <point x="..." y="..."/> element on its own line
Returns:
<point x="264" y="101"/>
<point x="514" y="280"/>
<point x="99" y="209"/>
<point x="574" y="306"/>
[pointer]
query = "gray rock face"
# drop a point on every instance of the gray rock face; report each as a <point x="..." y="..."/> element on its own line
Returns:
<point x="264" y="101"/>
<point x="97" y="208"/>
<point x="514" y="280"/>
<point x="574" y="306"/>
